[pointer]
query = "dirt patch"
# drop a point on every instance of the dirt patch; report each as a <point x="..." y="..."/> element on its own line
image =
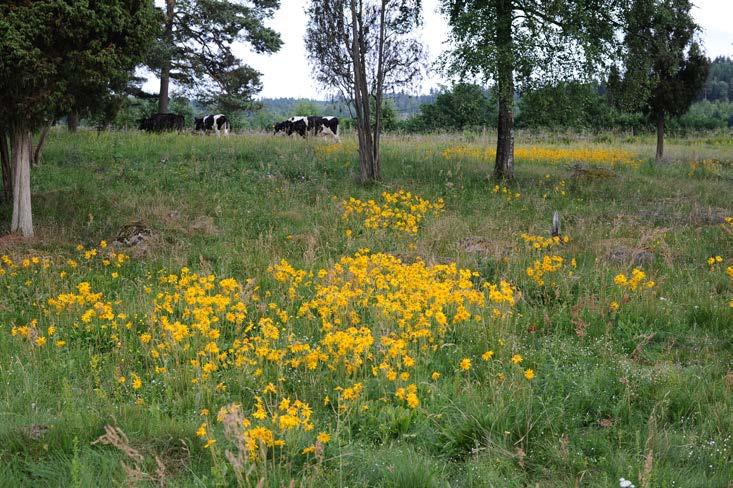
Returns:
<point x="137" y="239"/>
<point x="675" y="213"/>
<point x="493" y="248"/>
<point x="634" y="256"/>
<point x="203" y="225"/>
<point x="708" y="215"/>
<point x="10" y="241"/>
<point x="589" y="173"/>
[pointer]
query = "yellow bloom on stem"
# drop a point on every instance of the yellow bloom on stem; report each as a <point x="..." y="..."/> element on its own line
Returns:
<point x="529" y="374"/>
<point x="465" y="364"/>
<point x="517" y="358"/>
<point x="324" y="438"/>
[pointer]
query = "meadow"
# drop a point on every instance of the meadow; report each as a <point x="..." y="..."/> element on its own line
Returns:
<point x="278" y="324"/>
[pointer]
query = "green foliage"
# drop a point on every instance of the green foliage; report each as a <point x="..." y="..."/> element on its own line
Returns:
<point x="719" y="85"/>
<point x="46" y="70"/>
<point x="572" y="34"/>
<point x="389" y="115"/>
<point x="465" y="106"/>
<point x="195" y="42"/>
<point x="305" y="107"/>
<point x="665" y="67"/>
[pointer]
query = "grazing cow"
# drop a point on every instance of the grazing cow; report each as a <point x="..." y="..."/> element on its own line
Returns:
<point x="162" y="122"/>
<point x="282" y="127"/>
<point x="328" y="125"/>
<point x="298" y="124"/>
<point x="218" y="123"/>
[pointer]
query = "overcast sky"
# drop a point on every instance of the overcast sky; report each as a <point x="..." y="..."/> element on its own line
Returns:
<point x="286" y="73"/>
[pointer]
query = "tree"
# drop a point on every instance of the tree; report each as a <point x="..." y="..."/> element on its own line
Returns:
<point x="195" y="49"/>
<point x="510" y="41"/>
<point x="464" y="106"/>
<point x="305" y="107"/>
<point x="665" y="67"/>
<point x="566" y="104"/>
<point x="361" y="48"/>
<point x="46" y="48"/>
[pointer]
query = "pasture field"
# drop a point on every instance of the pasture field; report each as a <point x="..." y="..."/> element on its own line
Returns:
<point x="279" y="324"/>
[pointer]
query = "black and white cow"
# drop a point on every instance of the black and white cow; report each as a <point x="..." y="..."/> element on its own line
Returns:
<point x="218" y="123"/>
<point x="298" y="125"/>
<point x="328" y="125"/>
<point x="162" y="122"/>
<point x="282" y="127"/>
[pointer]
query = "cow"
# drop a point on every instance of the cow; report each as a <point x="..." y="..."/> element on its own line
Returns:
<point x="328" y="125"/>
<point x="298" y="124"/>
<point x="218" y="123"/>
<point x="282" y="127"/>
<point x="161" y="122"/>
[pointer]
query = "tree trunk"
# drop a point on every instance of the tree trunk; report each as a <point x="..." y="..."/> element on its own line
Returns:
<point x="504" y="164"/>
<point x="361" y="96"/>
<point x="22" y="220"/>
<point x="660" y="136"/>
<point x="5" y="163"/>
<point x="165" y="69"/>
<point x="376" y="160"/>
<point x="72" y="121"/>
<point x="39" y="147"/>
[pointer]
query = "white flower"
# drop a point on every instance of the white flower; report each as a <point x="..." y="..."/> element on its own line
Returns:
<point x="625" y="483"/>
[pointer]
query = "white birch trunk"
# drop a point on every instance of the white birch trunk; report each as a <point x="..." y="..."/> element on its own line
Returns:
<point x="22" y="220"/>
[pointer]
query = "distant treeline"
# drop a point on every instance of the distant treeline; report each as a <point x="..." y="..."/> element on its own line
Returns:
<point x="568" y="105"/>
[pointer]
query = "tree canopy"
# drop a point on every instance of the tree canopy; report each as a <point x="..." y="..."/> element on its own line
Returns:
<point x="464" y="106"/>
<point x="59" y="54"/>
<point x="512" y="42"/>
<point x="664" y="67"/>
<point x="194" y="49"/>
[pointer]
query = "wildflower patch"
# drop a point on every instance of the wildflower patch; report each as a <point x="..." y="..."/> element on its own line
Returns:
<point x="549" y="155"/>
<point x="402" y="211"/>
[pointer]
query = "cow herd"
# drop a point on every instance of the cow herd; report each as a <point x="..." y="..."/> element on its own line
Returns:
<point x="311" y="124"/>
<point x="164" y="122"/>
<point x="219" y="124"/>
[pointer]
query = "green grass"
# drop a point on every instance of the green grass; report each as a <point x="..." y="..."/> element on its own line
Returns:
<point x="643" y="394"/>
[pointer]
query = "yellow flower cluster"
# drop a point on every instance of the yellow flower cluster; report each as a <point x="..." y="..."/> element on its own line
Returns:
<point x="713" y="261"/>
<point x="705" y="168"/>
<point x="402" y="210"/>
<point x="541" y="243"/>
<point x="337" y="148"/>
<point x="548" y="265"/>
<point x="96" y="321"/>
<point x="265" y="427"/>
<point x="727" y="225"/>
<point x="549" y="154"/>
<point x="367" y="318"/>
<point x="466" y="364"/>
<point x="637" y="280"/>
<point x="504" y="190"/>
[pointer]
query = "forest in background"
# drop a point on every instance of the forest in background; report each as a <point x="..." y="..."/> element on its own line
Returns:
<point x="569" y="105"/>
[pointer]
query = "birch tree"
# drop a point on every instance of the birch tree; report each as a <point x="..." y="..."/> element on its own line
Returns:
<point x="363" y="49"/>
<point x="511" y="42"/>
